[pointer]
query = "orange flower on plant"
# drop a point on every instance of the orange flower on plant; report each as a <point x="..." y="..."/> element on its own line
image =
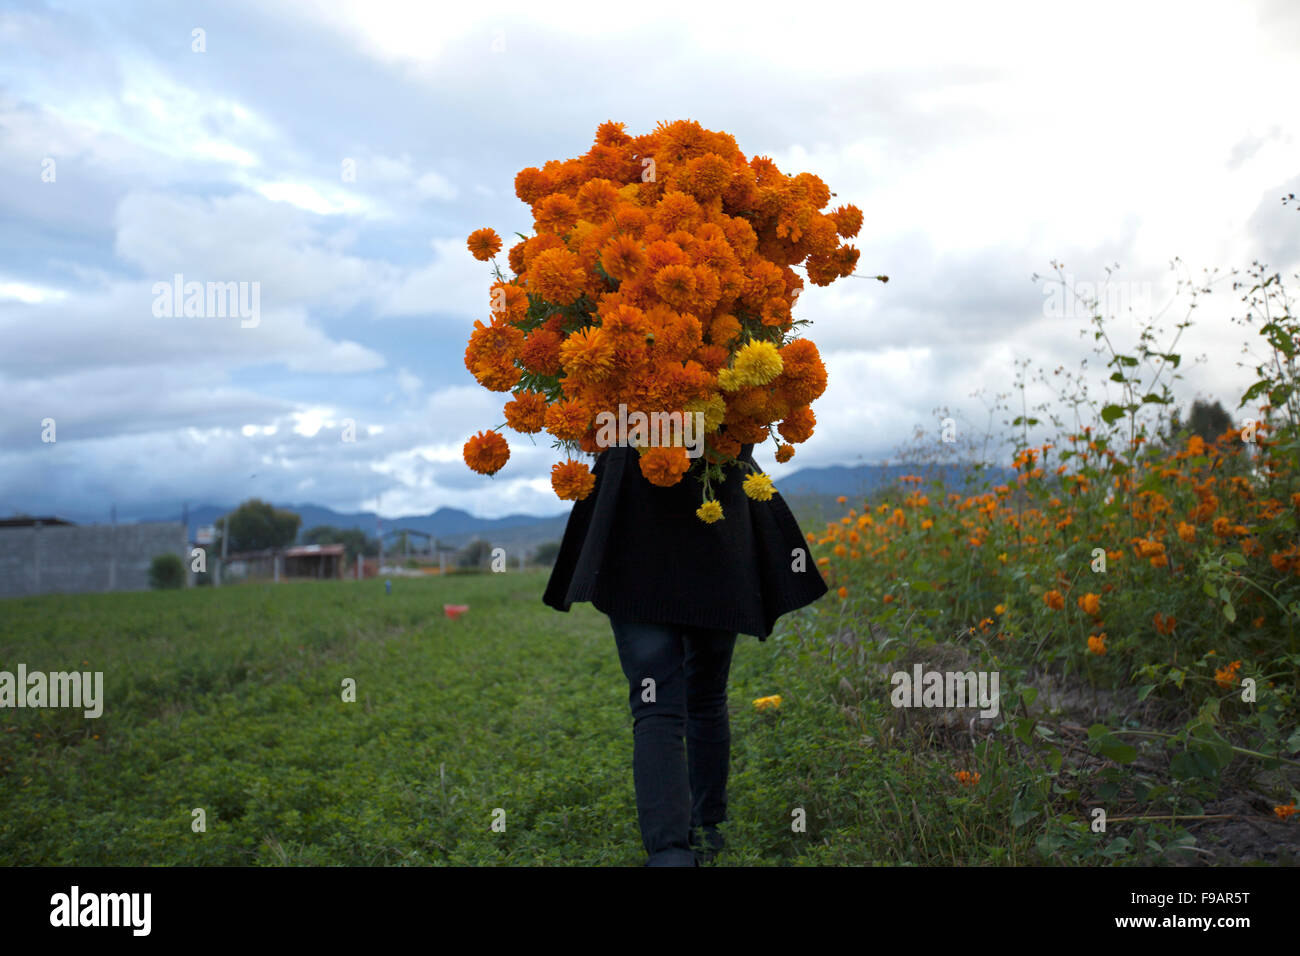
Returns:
<point x="568" y="419"/>
<point x="798" y="425"/>
<point x="1163" y="624"/>
<point x="1091" y="604"/>
<point x="557" y="276"/>
<point x="484" y="244"/>
<point x="1097" y="643"/>
<point x="487" y="452"/>
<point x="587" y="355"/>
<point x="526" y="412"/>
<point x="1054" y="600"/>
<point x="966" y="778"/>
<point x="664" y="465"/>
<point x="1226" y="677"/>
<point x="1286" y="811"/>
<point x="572" y="480"/>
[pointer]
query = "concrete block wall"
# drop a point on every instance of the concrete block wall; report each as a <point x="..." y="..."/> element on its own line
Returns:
<point x="72" y="559"/>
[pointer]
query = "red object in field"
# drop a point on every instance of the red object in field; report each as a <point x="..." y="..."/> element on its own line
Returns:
<point x="454" y="611"/>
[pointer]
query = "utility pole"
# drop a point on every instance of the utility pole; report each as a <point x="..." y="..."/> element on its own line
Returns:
<point x="185" y="545"/>
<point x="225" y="545"/>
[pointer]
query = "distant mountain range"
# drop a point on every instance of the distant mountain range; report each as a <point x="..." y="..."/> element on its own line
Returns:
<point x="810" y="492"/>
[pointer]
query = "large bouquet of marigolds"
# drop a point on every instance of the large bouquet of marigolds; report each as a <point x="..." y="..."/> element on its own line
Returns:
<point x="658" y="289"/>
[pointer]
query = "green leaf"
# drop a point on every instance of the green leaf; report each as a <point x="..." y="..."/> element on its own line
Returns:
<point x="1230" y="612"/>
<point x="1117" y="750"/>
<point x="1111" y="414"/>
<point x="1144" y="690"/>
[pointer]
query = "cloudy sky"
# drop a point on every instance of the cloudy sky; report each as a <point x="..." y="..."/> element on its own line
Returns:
<point x="981" y="142"/>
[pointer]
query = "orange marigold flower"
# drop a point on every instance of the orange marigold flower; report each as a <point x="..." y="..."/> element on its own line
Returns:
<point x="597" y="199"/>
<point x="847" y="219"/>
<point x="572" y="480"/>
<point x="784" y="453"/>
<point x="1097" y="643"/>
<point x="798" y="425"/>
<point x="1286" y="811"/>
<point x="623" y="258"/>
<point x="484" y="244"/>
<point x="526" y="412"/>
<point x="1186" y="531"/>
<point x="588" y="355"/>
<point x="1054" y="600"/>
<point x="843" y="592"/>
<point x="557" y="213"/>
<point x="664" y="465"/>
<point x="540" y="352"/>
<point x="568" y="419"/>
<point x="803" y="376"/>
<point x="556" y="275"/>
<point x="676" y="285"/>
<point x="1091" y="604"/>
<point x="487" y="452"/>
<point x="966" y="778"/>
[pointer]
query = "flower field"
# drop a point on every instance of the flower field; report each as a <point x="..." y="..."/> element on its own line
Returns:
<point x="1155" y="571"/>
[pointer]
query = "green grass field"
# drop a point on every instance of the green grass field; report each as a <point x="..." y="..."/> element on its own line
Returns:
<point x="230" y="701"/>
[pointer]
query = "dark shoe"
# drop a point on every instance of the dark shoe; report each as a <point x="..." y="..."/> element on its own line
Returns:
<point x="673" y="857"/>
<point x="708" y="841"/>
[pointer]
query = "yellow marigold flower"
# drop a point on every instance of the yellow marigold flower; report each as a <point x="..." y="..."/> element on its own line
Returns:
<point x="768" y="703"/>
<point x="757" y="363"/>
<point x="709" y="512"/>
<point x="999" y="609"/>
<point x="728" y="380"/>
<point x="759" y="487"/>
<point x="1097" y="644"/>
<point x="714" y="408"/>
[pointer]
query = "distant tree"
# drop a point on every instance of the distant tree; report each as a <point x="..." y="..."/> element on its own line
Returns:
<point x="166" y="571"/>
<point x="547" y="552"/>
<point x="1205" y="419"/>
<point x="256" y="525"/>
<point x="354" y="540"/>
<point x="474" y="555"/>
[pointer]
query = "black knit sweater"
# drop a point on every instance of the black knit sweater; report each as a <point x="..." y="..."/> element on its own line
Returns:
<point x="634" y="549"/>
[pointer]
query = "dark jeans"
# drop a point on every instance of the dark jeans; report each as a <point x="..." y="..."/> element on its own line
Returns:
<point x="677" y="789"/>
